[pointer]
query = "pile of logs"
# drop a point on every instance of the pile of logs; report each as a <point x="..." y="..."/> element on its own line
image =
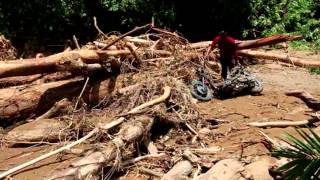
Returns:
<point x="115" y="88"/>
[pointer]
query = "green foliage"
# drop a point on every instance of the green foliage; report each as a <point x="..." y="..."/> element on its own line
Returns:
<point x="285" y="16"/>
<point x="304" y="155"/>
<point x="314" y="70"/>
<point x="54" y="21"/>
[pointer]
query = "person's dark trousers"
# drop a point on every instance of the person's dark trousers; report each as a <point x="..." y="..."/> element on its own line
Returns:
<point x="226" y="64"/>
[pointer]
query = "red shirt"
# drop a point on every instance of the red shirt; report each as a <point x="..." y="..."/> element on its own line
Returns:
<point x="227" y="46"/>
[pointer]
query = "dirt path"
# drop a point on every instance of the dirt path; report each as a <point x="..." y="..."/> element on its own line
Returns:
<point x="237" y="139"/>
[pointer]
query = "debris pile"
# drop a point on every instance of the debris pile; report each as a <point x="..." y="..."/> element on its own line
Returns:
<point x="122" y="97"/>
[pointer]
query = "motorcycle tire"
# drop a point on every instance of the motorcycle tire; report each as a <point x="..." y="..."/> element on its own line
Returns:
<point x="258" y="87"/>
<point x="202" y="96"/>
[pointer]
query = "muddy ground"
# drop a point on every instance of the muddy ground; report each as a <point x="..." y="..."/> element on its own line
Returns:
<point x="236" y="138"/>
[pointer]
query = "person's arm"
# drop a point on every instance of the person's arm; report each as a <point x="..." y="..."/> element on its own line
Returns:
<point x="213" y="43"/>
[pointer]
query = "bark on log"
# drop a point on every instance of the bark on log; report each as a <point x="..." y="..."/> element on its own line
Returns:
<point x="22" y="102"/>
<point x="46" y="130"/>
<point x="267" y="41"/>
<point x="227" y="169"/>
<point x="278" y="57"/>
<point x="307" y="98"/>
<point x="247" y="44"/>
<point x="53" y="63"/>
<point x="179" y="171"/>
<point x="34" y="79"/>
<point x="92" y="163"/>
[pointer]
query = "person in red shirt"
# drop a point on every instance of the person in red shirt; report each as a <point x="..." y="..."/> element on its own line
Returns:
<point x="228" y="51"/>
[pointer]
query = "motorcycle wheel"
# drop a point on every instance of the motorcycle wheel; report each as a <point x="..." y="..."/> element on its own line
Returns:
<point x="258" y="87"/>
<point x="200" y="91"/>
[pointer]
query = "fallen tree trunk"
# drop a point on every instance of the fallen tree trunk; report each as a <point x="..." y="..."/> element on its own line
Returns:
<point x="53" y="63"/>
<point x="34" y="79"/>
<point x="281" y="58"/>
<point x="267" y="41"/>
<point x="24" y="101"/>
<point x="37" y="132"/>
<point x="92" y="163"/>
<point x="307" y="98"/>
<point x="247" y="44"/>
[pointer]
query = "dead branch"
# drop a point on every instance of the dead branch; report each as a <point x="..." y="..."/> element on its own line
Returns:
<point x="158" y="100"/>
<point x="56" y="108"/>
<point x="306" y="97"/>
<point x="178" y="171"/>
<point x="282" y="123"/>
<point x="137" y="159"/>
<point x="151" y="172"/>
<point x="136" y="29"/>
<point x="97" y="27"/>
<point x="209" y="150"/>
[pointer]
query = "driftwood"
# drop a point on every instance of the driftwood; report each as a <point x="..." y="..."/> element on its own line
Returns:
<point x="92" y="163"/>
<point x="227" y="169"/>
<point x="247" y="44"/>
<point x="281" y="58"/>
<point x="179" y="171"/>
<point x="90" y="134"/>
<point x="23" y="101"/>
<point x="54" y="62"/>
<point x="67" y="147"/>
<point x="307" y="98"/>
<point x="46" y="130"/>
<point x="282" y="123"/>
<point x="34" y="79"/>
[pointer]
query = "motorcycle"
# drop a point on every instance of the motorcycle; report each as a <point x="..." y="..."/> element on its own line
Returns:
<point x="239" y="82"/>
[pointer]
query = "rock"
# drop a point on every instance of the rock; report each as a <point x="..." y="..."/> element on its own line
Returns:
<point x="260" y="168"/>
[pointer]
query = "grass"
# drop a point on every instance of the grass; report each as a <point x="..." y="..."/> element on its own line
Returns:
<point x="304" y="45"/>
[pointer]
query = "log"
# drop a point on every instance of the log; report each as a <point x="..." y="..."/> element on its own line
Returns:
<point x="92" y="163"/>
<point x="34" y="79"/>
<point x="267" y="41"/>
<point x="247" y="44"/>
<point x="53" y="63"/>
<point x="227" y="169"/>
<point x="21" y="102"/>
<point x="179" y="171"/>
<point x="46" y="130"/>
<point x="306" y="97"/>
<point x="281" y="58"/>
